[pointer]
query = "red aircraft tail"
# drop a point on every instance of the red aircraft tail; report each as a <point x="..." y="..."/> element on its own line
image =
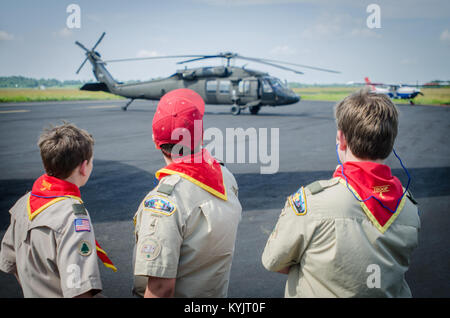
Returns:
<point x="369" y="83"/>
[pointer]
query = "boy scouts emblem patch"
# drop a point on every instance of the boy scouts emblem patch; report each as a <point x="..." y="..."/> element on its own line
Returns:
<point x="381" y="189"/>
<point x="159" y="205"/>
<point x="150" y="249"/>
<point x="84" y="248"/>
<point x="298" y="202"/>
<point x="46" y="186"/>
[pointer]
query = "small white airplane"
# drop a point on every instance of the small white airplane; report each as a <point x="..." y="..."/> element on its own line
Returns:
<point x="395" y="91"/>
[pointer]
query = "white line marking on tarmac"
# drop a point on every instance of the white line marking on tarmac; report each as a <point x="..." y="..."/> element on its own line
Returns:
<point x="14" y="111"/>
<point x="102" y="106"/>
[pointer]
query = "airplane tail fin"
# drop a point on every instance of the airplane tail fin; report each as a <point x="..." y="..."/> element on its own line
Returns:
<point x="369" y="83"/>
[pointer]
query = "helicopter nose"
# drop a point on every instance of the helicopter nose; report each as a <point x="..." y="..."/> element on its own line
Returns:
<point x="292" y="99"/>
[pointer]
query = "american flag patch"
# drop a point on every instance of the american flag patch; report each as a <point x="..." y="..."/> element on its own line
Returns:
<point x="82" y="225"/>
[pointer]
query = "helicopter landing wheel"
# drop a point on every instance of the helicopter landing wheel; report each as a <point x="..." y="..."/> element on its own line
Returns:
<point x="124" y="108"/>
<point x="235" y="110"/>
<point x="254" y="109"/>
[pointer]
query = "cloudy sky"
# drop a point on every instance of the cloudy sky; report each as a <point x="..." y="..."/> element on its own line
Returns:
<point x="412" y="44"/>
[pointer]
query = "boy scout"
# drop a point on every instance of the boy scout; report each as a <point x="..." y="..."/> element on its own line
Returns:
<point x="50" y="245"/>
<point x="186" y="227"/>
<point x="352" y="235"/>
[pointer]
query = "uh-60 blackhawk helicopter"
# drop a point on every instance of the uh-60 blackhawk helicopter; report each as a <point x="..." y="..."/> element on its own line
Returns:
<point x="237" y="86"/>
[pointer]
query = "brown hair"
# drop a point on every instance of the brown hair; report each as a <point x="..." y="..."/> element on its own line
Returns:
<point x="369" y="123"/>
<point x="168" y="150"/>
<point x="63" y="148"/>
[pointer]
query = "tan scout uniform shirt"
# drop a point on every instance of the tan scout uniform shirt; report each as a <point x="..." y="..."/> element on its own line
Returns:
<point x="49" y="256"/>
<point x="335" y="251"/>
<point x="193" y="243"/>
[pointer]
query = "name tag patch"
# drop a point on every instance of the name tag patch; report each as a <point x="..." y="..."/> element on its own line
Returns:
<point x="159" y="205"/>
<point x="82" y="225"/>
<point x="298" y="202"/>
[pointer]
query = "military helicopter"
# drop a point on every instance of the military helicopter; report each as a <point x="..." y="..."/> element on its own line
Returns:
<point x="237" y="86"/>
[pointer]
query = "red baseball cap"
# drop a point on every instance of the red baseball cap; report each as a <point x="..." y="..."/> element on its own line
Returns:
<point x="179" y="115"/>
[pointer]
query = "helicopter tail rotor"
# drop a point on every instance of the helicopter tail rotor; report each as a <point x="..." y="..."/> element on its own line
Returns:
<point x="81" y="66"/>
<point x="89" y="53"/>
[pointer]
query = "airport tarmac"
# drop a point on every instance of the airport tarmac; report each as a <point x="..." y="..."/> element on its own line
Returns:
<point x="126" y="160"/>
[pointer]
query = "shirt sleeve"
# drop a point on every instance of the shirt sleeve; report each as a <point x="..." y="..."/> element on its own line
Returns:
<point x="77" y="258"/>
<point x="288" y="240"/>
<point x="159" y="238"/>
<point x="7" y="252"/>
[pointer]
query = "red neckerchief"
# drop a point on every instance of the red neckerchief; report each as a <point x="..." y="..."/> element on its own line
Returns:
<point x="48" y="190"/>
<point x="376" y="186"/>
<point x="201" y="169"/>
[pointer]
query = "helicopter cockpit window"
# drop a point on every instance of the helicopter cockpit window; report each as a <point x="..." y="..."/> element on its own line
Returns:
<point x="224" y="87"/>
<point x="266" y="86"/>
<point x="211" y="86"/>
<point x="276" y="82"/>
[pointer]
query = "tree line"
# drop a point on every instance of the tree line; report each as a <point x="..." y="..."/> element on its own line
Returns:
<point x="26" y="82"/>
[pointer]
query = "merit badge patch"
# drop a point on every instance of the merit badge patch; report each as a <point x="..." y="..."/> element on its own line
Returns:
<point x="150" y="249"/>
<point x="298" y="202"/>
<point x="84" y="248"/>
<point x="82" y="225"/>
<point x="159" y="205"/>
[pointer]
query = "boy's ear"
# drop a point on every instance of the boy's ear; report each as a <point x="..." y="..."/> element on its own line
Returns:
<point x="83" y="168"/>
<point x="340" y="139"/>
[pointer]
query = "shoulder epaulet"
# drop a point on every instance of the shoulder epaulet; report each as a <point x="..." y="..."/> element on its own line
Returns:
<point x="79" y="209"/>
<point x="319" y="186"/>
<point x="411" y="197"/>
<point x="167" y="184"/>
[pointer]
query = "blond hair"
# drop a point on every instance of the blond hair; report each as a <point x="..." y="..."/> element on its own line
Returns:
<point x="369" y="123"/>
<point x="63" y="148"/>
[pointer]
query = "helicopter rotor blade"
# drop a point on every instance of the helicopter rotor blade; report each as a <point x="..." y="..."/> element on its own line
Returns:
<point x="82" y="46"/>
<point x="98" y="41"/>
<point x="150" y="58"/>
<point x="200" y="58"/>
<point x="293" y="64"/>
<point x="268" y="63"/>
<point x="81" y="66"/>
<point x="229" y="56"/>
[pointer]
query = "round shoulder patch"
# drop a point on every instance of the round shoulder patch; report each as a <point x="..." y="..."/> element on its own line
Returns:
<point x="298" y="202"/>
<point x="84" y="248"/>
<point x="159" y="204"/>
<point x="149" y="248"/>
